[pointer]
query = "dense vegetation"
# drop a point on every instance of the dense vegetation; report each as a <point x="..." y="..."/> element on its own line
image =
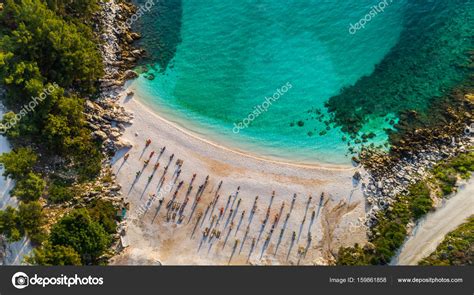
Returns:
<point x="49" y="65"/>
<point x="391" y="230"/>
<point x="456" y="249"/>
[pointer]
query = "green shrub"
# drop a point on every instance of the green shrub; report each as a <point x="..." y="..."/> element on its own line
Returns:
<point x="59" y="192"/>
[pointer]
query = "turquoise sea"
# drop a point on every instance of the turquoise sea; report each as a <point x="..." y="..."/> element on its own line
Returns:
<point x="212" y="64"/>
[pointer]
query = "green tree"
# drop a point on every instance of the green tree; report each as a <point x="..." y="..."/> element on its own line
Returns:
<point x="32" y="221"/>
<point x="79" y="231"/>
<point x="104" y="212"/>
<point x="29" y="188"/>
<point x="10" y="225"/>
<point x="18" y="163"/>
<point x="52" y="255"/>
<point x="41" y="40"/>
<point x="9" y="125"/>
<point x="80" y="8"/>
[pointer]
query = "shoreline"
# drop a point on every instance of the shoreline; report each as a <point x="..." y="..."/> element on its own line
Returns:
<point x="339" y="221"/>
<point x="245" y="153"/>
<point x="215" y="133"/>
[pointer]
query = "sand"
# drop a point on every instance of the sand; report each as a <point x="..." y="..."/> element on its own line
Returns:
<point x="152" y="236"/>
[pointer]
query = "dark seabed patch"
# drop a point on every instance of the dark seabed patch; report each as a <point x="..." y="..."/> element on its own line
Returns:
<point x="427" y="62"/>
<point x="161" y="31"/>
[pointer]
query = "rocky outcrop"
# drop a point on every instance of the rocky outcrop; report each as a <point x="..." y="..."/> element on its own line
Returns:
<point x="105" y="116"/>
<point x="418" y="146"/>
<point x="108" y="120"/>
<point x="119" y="55"/>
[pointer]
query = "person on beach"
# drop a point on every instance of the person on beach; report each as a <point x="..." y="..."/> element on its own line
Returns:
<point x="151" y="154"/>
<point x="138" y="173"/>
<point x="126" y="157"/>
<point x="147" y="162"/>
<point x="148" y="142"/>
<point x="157" y="165"/>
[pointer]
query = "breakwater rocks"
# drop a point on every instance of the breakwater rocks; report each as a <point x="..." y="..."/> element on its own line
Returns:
<point x="419" y="144"/>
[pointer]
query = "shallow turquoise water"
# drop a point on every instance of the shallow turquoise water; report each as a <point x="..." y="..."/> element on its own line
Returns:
<point x="214" y="61"/>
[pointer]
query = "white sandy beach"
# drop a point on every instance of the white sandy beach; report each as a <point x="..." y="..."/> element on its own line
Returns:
<point x="152" y="238"/>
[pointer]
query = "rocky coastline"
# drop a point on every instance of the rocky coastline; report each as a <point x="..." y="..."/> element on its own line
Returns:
<point x="416" y="148"/>
<point x="105" y="117"/>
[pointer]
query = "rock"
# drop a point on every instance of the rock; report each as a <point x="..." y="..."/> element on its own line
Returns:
<point x="379" y="184"/>
<point x="115" y="134"/>
<point x="150" y="77"/>
<point x="357" y="176"/>
<point x="356" y="160"/>
<point x="135" y="36"/>
<point x="129" y="74"/>
<point x="122" y="144"/>
<point x="100" y="135"/>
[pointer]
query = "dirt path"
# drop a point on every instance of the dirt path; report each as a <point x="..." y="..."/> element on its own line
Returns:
<point x="430" y="231"/>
